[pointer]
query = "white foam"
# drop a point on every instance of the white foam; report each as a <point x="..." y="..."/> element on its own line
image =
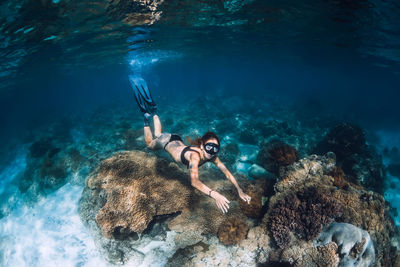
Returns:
<point x="48" y="234"/>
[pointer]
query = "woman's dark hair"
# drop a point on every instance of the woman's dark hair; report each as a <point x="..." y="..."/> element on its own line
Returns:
<point x="201" y="140"/>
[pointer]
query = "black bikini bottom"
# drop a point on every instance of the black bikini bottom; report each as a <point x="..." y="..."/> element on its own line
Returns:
<point x="174" y="137"/>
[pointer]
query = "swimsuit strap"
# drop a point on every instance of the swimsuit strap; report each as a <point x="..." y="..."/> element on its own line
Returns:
<point x="186" y="162"/>
<point x="183" y="159"/>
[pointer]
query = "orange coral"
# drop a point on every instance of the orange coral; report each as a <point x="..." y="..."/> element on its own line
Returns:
<point x="232" y="231"/>
<point x="338" y="175"/>
<point x="252" y="209"/>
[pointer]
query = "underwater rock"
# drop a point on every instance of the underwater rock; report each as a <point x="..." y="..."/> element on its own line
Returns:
<point x="355" y="245"/>
<point x="136" y="188"/>
<point x="248" y="153"/>
<point x="249" y="135"/>
<point x="229" y="154"/>
<point x="242" y="167"/>
<point x="359" y="161"/>
<point x="359" y="206"/>
<point x="130" y="137"/>
<point x="258" y="172"/>
<point x="40" y="148"/>
<point x="303" y="254"/>
<point x="47" y="168"/>
<point x="183" y="255"/>
<point x="276" y="154"/>
<point x="344" y="140"/>
<point x="232" y="231"/>
<point x="394" y="169"/>
<point x="366" y="168"/>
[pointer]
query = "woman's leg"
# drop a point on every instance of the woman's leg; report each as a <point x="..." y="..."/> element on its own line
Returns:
<point x="148" y="136"/>
<point x="157" y="125"/>
<point x="161" y="138"/>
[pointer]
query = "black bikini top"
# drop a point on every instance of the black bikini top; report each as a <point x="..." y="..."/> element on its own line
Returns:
<point x="186" y="162"/>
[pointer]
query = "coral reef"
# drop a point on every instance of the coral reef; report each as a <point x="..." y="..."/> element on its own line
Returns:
<point x="47" y="168"/>
<point x="358" y="160"/>
<point x="304" y="253"/>
<point x="136" y="188"/>
<point x="360" y="207"/>
<point x="229" y="154"/>
<point x="131" y="137"/>
<point x="232" y="231"/>
<point x="344" y="140"/>
<point x="276" y="154"/>
<point x="197" y="218"/>
<point x="338" y="175"/>
<point x="256" y="190"/>
<point x="355" y="245"/>
<point x="302" y="213"/>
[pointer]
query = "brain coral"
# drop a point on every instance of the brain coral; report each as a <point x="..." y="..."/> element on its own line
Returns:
<point x="136" y="188"/>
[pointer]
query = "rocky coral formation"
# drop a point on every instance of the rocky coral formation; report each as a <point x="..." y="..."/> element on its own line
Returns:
<point x="344" y="140"/>
<point x="229" y="154"/>
<point x="232" y="231"/>
<point x="254" y="208"/>
<point x="302" y="213"/>
<point x="136" y="189"/>
<point x="358" y="160"/>
<point x="338" y="175"/>
<point x="128" y="192"/>
<point x="48" y="166"/>
<point x="276" y="154"/>
<point x="362" y="208"/>
<point x="202" y="217"/>
<point x="356" y="247"/>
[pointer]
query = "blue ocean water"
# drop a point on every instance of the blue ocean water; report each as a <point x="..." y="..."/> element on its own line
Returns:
<point x="64" y="90"/>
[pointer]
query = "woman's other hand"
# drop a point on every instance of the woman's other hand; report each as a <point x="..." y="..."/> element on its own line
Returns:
<point x="244" y="196"/>
<point x="221" y="201"/>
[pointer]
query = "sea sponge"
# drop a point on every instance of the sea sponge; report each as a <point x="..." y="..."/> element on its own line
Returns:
<point x="232" y="231"/>
<point x="276" y="154"/>
<point x="303" y="213"/>
<point x="355" y="245"/>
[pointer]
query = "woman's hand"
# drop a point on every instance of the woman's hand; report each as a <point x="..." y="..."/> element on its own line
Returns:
<point x="244" y="196"/>
<point x="221" y="201"/>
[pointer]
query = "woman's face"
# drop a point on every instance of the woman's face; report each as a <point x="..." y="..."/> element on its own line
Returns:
<point x="210" y="148"/>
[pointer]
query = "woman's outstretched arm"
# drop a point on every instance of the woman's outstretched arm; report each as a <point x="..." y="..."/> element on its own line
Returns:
<point x="231" y="178"/>
<point x="220" y="200"/>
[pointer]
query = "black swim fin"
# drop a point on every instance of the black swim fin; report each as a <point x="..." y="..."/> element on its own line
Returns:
<point x="142" y="95"/>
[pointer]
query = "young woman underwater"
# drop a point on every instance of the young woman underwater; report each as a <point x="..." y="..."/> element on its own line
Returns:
<point x="206" y="149"/>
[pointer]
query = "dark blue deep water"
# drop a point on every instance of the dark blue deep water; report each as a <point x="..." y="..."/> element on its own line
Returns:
<point x="227" y="66"/>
